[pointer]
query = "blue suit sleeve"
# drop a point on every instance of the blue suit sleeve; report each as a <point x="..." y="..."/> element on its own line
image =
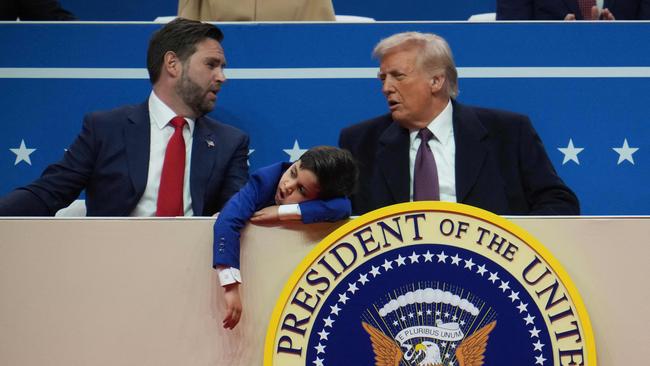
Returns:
<point x="230" y="222"/>
<point x="325" y="210"/>
<point x="238" y="210"/>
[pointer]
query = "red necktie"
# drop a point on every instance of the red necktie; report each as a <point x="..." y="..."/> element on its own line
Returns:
<point x="170" y="193"/>
<point x="425" y="175"/>
<point x="585" y="8"/>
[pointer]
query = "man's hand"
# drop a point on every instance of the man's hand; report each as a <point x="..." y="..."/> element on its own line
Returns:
<point x="233" y="305"/>
<point x="570" y="16"/>
<point x="605" y="14"/>
<point x="266" y="215"/>
<point x="596" y="14"/>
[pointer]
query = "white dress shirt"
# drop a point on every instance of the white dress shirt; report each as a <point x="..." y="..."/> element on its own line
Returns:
<point x="443" y="146"/>
<point x="161" y="131"/>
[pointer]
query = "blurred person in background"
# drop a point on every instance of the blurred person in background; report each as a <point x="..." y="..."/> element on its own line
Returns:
<point x="573" y="9"/>
<point x="33" y="10"/>
<point x="256" y="10"/>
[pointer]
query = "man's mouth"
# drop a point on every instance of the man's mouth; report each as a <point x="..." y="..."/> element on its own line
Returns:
<point x="393" y="104"/>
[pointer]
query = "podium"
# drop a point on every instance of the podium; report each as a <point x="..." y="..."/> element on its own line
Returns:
<point x="143" y="292"/>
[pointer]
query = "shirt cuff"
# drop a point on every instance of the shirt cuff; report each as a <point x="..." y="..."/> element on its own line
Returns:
<point x="229" y="275"/>
<point x="289" y="212"/>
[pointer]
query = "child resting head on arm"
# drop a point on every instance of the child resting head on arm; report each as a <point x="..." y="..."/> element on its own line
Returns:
<point x="312" y="189"/>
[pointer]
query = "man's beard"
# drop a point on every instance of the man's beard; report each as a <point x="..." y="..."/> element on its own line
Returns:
<point x="193" y="95"/>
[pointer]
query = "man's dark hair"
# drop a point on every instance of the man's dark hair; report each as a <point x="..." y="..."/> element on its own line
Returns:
<point x="335" y="169"/>
<point x="180" y="36"/>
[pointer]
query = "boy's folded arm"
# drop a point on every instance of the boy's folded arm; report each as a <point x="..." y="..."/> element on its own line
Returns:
<point x="333" y="209"/>
<point x="289" y="212"/>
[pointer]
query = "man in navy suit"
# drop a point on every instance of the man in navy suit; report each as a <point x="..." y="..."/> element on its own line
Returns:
<point x="119" y="155"/>
<point x="485" y="158"/>
<point x="570" y="10"/>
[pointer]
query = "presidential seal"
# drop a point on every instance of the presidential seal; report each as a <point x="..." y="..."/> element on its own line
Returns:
<point x="429" y="284"/>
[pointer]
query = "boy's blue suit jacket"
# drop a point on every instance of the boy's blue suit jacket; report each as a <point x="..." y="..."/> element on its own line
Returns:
<point x="258" y="193"/>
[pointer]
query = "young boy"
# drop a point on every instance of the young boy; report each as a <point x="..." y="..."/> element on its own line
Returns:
<point x="312" y="189"/>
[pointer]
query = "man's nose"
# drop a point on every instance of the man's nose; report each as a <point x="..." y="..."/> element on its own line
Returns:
<point x="289" y="186"/>
<point x="387" y="87"/>
<point x="220" y="75"/>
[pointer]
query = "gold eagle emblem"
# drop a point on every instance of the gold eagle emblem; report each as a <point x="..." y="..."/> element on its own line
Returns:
<point x="470" y="352"/>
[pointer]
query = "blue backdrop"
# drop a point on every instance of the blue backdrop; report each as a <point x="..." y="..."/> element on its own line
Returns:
<point x="584" y="85"/>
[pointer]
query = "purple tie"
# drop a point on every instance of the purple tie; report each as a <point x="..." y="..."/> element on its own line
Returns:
<point x="425" y="178"/>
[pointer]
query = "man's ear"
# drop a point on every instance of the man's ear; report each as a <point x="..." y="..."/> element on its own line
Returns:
<point x="437" y="83"/>
<point x="171" y="64"/>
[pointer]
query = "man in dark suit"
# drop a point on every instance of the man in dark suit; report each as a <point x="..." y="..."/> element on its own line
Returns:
<point x="571" y="10"/>
<point x="485" y="158"/>
<point x="124" y="157"/>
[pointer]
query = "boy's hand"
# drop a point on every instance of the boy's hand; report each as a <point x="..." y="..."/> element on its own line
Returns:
<point x="233" y="305"/>
<point x="266" y="215"/>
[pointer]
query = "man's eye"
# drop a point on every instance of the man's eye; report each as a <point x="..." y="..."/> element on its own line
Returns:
<point x="302" y="190"/>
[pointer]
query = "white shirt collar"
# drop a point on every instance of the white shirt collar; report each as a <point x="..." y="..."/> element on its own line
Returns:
<point x="160" y="114"/>
<point x="442" y="126"/>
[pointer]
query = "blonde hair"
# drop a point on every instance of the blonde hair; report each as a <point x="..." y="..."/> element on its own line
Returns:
<point x="435" y="55"/>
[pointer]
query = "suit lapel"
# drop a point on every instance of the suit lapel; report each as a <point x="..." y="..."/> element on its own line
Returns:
<point x="470" y="152"/>
<point x="137" y="137"/>
<point x="204" y="152"/>
<point x="393" y="155"/>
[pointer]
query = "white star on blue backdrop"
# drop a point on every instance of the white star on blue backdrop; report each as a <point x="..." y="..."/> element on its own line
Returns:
<point x="22" y="153"/>
<point x="295" y="152"/>
<point x="625" y="152"/>
<point x="570" y="152"/>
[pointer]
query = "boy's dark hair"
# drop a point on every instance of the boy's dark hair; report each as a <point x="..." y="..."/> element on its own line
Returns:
<point x="335" y="169"/>
<point x="180" y="36"/>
